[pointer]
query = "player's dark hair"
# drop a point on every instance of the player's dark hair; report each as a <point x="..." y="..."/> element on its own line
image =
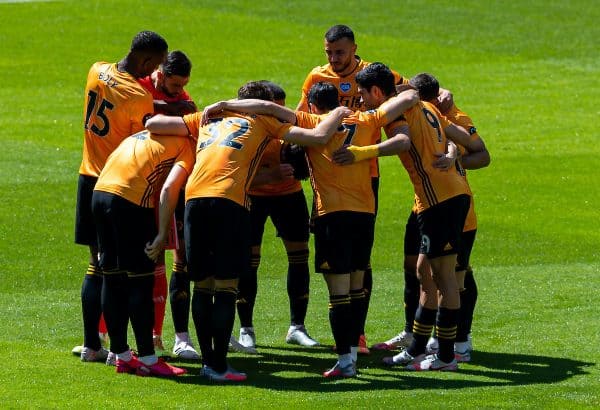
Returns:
<point x="149" y="42"/>
<point x="427" y="86"/>
<point x="278" y="92"/>
<point x="177" y="63"/>
<point x="255" y="89"/>
<point x="377" y="74"/>
<point x="338" y="32"/>
<point x="324" y="96"/>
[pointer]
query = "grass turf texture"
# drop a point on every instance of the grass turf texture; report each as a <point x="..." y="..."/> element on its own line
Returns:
<point x="525" y="71"/>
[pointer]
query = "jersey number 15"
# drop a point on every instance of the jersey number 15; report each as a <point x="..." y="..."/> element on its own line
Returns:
<point x="98" y="111"/>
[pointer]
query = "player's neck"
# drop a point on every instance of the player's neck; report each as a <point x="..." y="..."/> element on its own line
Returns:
<point x="125" y="66"/>
<point x="351" y="67"/>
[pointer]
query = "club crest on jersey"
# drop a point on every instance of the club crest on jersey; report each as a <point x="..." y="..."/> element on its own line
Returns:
<point x="345" y="87"/>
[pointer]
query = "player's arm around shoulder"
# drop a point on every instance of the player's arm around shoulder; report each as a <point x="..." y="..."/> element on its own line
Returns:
<point x="167" y="125"/>
<point x="475" y="159"/>
<point x="251" y="106"/>
<point x="175" y="108"/>
<point x="321" y="134"/>
<point x="398" y="139"/>
<point x="476" y="149"/>
<point x="398" y="134"/>
<point x="395" y="106"/>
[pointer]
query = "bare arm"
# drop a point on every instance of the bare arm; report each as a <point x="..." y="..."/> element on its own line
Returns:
<point x="167" y="125"/>
<point x="252" y="106"/>
<point x="179" y="108"/>
<point x="475" y="160"/>
<point x="272" y="175"/>
<point x="395" y="106"/>
<point x="167" y="203"/>
<point x="473" y="146"/>
<point x="398" y="139"/>
<point x="397" y="143"/>
<point x="445" y="100"/>
<point x="321" y="134"/>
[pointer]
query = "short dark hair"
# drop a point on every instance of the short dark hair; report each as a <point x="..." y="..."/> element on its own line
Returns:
<point x="177" y="63"/>
<point x="255" y="89"/>
<point x="149" y="42"/>
<point x="427" y="86"/>
<point x="324" y="96"/>
<point x="377" y="74"/>
<point x="338" y="32"/>
<point x="278" y="92"/>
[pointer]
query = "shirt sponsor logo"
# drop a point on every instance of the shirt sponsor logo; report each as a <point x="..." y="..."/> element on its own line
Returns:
<point x="345" y="87"/>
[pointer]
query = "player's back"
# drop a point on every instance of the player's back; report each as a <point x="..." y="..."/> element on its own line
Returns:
<point x="116" y="106"/>
<point x="228" y="153"/>
<point x="432" y="185"/>
<point x="342" y="188"/>
<point x="138" y="167"/>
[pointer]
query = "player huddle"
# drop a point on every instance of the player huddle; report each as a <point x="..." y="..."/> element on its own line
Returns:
<point x="239" y="162"/>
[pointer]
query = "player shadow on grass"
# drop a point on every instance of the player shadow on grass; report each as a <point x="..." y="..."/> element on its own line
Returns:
<point x="299" y="369"/>
<point x="522" y="369"/>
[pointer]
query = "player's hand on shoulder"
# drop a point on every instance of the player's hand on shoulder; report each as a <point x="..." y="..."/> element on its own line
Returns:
<point x="342" y="111"/>
<point x="343" y="155"/>
<point x="211" y="111"/>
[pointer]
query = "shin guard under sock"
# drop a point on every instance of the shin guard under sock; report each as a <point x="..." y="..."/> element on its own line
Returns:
<point x="115" y="304"/>
<point x="141" y="311"/>
<point x="368" y="288"/>
<point x="298" y="282"/>
<point x="340" y="320"/>
<point x="358" y="312"/>
<point x="248" y="288"/>
<point x="222" y="325"/>
<point x="422" y="327"/>
<point x="179" y="296"/>
<point x="91" y="306"/>
<point x="445" y="328"/>
<point x="202" y="312"/>
<point x="412" y="289"/>
<point x="468" y="299"/>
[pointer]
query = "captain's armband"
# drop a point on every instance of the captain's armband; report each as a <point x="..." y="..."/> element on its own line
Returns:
<point x="362" y="153"/>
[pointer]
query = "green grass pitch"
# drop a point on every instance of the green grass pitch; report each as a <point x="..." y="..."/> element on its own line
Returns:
<point x="526" y="71"/>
